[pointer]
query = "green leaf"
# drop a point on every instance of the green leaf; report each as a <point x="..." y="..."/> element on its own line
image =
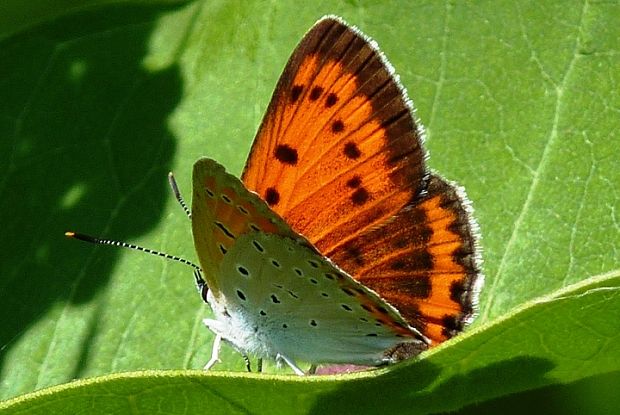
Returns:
<point x="18" y="15"/>
<point x="547" y="340"/>
<point x="521" y="107"/>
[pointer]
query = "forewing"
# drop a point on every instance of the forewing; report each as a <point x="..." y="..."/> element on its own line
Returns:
<point x="338" y="150"/>
<point x="222" y="210"/>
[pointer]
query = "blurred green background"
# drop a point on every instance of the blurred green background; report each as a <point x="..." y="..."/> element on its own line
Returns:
<point x="100" y="99"/>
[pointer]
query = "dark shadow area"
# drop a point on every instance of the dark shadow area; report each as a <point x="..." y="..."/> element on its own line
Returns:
<point x="414" y="387"/>
<point x="597" y="395"/>
<point x="84" y="146"/>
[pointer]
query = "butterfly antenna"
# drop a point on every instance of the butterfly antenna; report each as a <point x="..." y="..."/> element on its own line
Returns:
<point x="99" y="241"/>
<point x="177" y="194"/>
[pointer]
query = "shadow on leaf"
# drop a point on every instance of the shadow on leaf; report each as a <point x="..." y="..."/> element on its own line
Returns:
<point x="84" y="147"/>
<point x="421" y="386"/>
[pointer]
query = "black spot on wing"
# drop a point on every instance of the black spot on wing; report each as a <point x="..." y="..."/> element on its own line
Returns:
<point x="296" y="92"/>
<point x="348" y="291"/>
<point x="337" y="126"/>
<point x="355" y="254"/>
<point x="224" y="230"/>
<point x="451" y="326"/>
<point x="457" y="291"/>
<point x="417" y="287"/>
<point x="316" y="93"/>
<point x="360" y="196"/>
<point x="258" y="246"/>
<point x="286" y="154"/>
<point x="354" y="182"/>
<point x="272" y="196"/>
<point x="351" y="151"/>
<point x="417" y="260"/>
<point x="331" y="100"/>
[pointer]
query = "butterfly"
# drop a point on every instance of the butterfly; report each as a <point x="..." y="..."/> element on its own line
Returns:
<point x="338" y="245"/>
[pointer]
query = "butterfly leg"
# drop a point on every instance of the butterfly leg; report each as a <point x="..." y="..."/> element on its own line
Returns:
<point x="291" y="364"/>
<point x="215" y="353"/>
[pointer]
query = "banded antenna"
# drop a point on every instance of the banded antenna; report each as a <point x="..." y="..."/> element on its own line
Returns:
<point x="200" y="282"/>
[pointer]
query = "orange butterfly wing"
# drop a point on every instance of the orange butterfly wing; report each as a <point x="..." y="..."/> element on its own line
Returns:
<point x="339" y="156"/>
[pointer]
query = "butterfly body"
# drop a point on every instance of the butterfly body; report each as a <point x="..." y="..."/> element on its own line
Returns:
<point x="338" y="245"/>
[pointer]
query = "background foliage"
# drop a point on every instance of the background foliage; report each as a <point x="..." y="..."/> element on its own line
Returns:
<point x="98" y="103"/>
